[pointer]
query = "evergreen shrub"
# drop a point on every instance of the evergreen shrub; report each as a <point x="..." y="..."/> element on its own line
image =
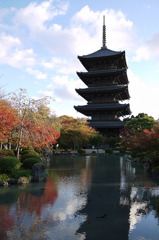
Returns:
<point x="29" y="162"/>
<point x="154" y="157"/>
<point x="109" y="150"/>
<point x="6" y="152"/>
<point x="4" y="177"/>
<point x="20" y="173"/>
<point x="30" y="155"/>
<point x="24" y="152"/>
<point x="81" y="151"/>
<point x="8" y="164"/>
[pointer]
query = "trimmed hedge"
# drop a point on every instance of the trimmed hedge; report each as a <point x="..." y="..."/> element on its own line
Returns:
<point x="6" y="152"/>
<point x="109" y="151"/>
<point x="81" y="151"/>
<point x="20" y="173"/>
<point x="29" y="162"/>
<point x="8" y="164"/>
<point x="4" y="177"/>
<point x="30" y="155"/>
<point x="24" y="152"/>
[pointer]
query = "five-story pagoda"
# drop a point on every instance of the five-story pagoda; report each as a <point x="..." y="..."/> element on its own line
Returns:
<point x="107" y="86"/>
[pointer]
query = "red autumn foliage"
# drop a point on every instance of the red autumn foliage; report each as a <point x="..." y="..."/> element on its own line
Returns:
<point x="147" y="140"/>
<point x="38" y="135"/>
<point x="8" y="119"/>
<point x="35" y="204"/>
<point x="6" y="222"/>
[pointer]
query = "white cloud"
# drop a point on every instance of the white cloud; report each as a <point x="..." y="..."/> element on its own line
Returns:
<point x="35" y="15"/>
<point x="45" y="93"/>
<point x="7" y="44"/>
<point x="148" y="49"/>
<point x="144" y="96"/>
<point x="88" y="25"/>
<point x="64" y="88"/>
<point x="38" y="74"/>
<point x="63" y="65"/>
<point x="83" y="35"/>
<point x="142" y="53"/>
<point x="11" y="52"/>
<point x="22" y="58"/>
<point x="55" y="47"/>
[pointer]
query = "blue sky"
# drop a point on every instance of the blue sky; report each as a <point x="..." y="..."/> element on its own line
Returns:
<point x="40" y="41"/>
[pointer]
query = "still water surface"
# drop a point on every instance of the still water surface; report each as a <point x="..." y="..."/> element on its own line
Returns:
<point x="89" y="197"/>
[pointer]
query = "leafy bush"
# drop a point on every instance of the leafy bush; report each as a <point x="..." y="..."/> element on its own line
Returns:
<point x="20" y="173"/>
<point x="94" y="152"/>
<point x="4" y="178"/>
<point x="29" y="162"/>
<point x="122" y="150"/>
<point x="8" y="164"/>
<point x="109" y="150"/>
<point x="30" y="155"/>
<point x="29" y="152"/>
<point x="81" y="151"/>
<point x="154" y="156"/>
<point x="6" y="152"/>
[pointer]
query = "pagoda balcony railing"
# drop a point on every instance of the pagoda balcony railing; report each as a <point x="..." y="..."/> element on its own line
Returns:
<point x="103" y="117"/>
<point x="103" y="101"/>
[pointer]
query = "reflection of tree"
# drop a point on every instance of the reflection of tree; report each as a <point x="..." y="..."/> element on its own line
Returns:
<point x="24" y="220"/>
<point x="34" y="204"/>
<point x="139" y="191"/>
<point x="6" y="222"/>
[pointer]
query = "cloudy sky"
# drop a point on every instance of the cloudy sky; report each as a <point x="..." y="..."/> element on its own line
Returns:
<point x="40" y="41"/>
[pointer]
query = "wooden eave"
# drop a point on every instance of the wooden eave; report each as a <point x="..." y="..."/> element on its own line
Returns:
<point x="88" y="77"/>
<point x="90" y="109"/>
<point x="87" y="62"/>
<point x="121" y="92"/>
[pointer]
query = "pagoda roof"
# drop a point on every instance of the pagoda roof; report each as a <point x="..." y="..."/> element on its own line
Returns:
<point x="103" y="89"/>
<point x="89" y="108"/>
<point x="103" y="52"/>
<point x="107" y="124"/>
<point x="102" y="72"/>
<point x="121" y="90"/>
<point x="105" y="106"/>
<point x="90" y="77"/>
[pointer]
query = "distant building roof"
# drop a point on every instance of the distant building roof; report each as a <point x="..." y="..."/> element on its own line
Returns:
<point x="103" y="52"/>
<point x="103" y="72"/>
<point x="103" y="89"/>
<point x="105" y="106"/>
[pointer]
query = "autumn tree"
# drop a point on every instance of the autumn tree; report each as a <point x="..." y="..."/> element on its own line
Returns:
<point x="8" y="119"/>
<point x="75" y="132"/>
<point x="36" y="127"/>
<point x="144" y="144"/>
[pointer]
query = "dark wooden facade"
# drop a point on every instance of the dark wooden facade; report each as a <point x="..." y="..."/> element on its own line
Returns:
<point x="107" y="86"/>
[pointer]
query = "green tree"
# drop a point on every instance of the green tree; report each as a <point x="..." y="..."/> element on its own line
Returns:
<point x="97" y="140"/>
<point x="139" y="123"/>
<point x="75" y="132"/>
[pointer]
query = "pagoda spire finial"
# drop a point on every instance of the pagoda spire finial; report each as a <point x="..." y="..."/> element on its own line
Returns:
<point x="104" y="33"/>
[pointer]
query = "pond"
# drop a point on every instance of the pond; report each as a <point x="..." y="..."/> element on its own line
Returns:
<point x="88" y="197"/>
